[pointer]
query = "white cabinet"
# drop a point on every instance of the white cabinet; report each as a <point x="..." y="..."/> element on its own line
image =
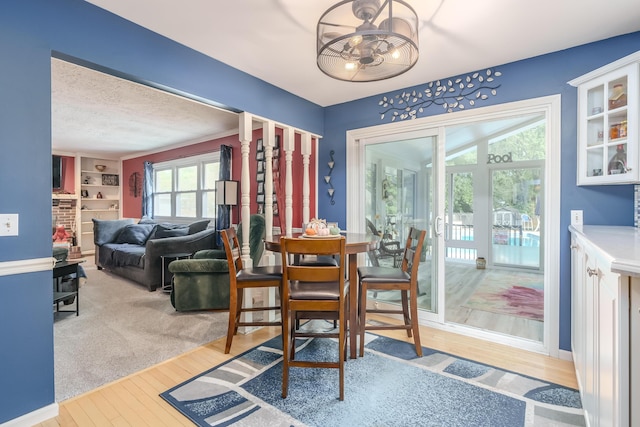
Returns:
<point x="99" y="182"/>
<point x="600" y="335"/>
<point x="608" y="100"/>
<point x="634" y="357"/>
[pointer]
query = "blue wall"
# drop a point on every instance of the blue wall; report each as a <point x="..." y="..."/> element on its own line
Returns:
<point x="532" y="78"/>
<point x="32" y="30"/>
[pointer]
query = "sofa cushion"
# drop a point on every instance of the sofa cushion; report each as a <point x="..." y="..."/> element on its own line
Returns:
<point x="125" y="254"/>
<point x="146" y="220"/>
<point x="135" y="234"/>
<point x="107" y="230"/>
<point x="198" y="226"/>
<point x="170" y="230"/>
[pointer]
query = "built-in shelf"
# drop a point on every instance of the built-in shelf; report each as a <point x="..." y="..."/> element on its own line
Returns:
<point x="91" y="183"/>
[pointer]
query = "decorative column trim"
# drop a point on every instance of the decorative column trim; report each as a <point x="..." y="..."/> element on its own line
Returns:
<point x="306" y="154"/>
<point x="288" y="145"/>
<point x="245" y="135"/>
<point x="269" y="137"/>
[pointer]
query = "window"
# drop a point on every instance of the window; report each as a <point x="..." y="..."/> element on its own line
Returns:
<point x="185" y="189"/>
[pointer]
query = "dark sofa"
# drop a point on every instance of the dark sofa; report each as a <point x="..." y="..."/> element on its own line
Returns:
<point x="133" y="250"/>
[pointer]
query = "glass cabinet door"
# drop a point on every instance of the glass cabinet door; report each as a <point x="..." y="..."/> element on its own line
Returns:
<point x="607" y="140"/>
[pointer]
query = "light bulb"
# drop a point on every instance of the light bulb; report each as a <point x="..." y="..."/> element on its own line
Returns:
<point x="349" y="66"/>
<point x="355" y="40"/>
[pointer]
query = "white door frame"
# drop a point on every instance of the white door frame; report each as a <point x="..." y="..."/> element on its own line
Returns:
<point x="550" y="106"/>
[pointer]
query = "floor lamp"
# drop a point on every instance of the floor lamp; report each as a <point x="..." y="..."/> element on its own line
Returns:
<point x="227" y="196"/>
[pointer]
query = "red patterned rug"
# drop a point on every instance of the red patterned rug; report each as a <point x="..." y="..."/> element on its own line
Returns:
<point x="520" y="295"/>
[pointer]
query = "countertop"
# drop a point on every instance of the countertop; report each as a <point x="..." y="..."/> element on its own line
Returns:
<point x="621" y="244"/>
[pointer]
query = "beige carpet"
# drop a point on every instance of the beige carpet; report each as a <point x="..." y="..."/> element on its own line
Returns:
<point x="122" y="328"/>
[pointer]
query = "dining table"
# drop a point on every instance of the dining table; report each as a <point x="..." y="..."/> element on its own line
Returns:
<point x="355" y="244"/>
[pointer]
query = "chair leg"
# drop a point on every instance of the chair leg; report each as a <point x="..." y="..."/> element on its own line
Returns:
<point x="414" y="322"/>
<point x="233" y="316"/>
<point x="405" y="311"/>
<point x="363" y="316"/>
<point x="285" y="351"/>
<point x="342" y="333"/>
<point x="239" y="309"/>
<point x="292" y="336"/>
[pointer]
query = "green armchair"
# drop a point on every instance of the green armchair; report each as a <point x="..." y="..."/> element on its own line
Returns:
<point x="202" y="282"/>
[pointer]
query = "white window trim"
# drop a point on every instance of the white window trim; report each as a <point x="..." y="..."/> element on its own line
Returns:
<point x="196" y="160"/>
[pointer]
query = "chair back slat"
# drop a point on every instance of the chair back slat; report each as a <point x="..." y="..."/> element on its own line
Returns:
<point x="232" y="249"/>
<point x="327" y="247"/>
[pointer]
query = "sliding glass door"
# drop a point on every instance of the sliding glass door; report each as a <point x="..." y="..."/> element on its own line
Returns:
<point x="478" y="187"/>
<point x="399" y="196"/>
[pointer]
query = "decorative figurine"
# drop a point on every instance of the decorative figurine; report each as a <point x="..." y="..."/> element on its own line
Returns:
<point x="618" y="98"/>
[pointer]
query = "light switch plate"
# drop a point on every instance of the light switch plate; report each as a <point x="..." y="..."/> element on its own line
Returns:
<point x="8" y="224"/>
<point x="576" y="217"/>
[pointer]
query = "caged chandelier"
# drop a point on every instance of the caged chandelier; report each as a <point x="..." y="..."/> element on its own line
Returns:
<point x="367" y="40"/>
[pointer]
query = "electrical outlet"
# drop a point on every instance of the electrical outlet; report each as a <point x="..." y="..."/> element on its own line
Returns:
<point x="8" y="224"/>
<point x="576" y="217"/>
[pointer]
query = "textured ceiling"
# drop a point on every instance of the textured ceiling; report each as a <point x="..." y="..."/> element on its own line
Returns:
<point x="101" y="114"/>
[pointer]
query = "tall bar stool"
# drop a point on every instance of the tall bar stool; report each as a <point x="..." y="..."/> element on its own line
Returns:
<point x="403" y="279"/>
<point x="318" y="289"/>
<point x="241" y="278"/>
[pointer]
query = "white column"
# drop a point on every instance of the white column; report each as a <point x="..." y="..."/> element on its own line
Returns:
<point x="268" y="137"/>
<point x="288" y="145"/>
<point x="269" y="140"/>
<point x="306" y="154"/>
<point x="245" y="136"/>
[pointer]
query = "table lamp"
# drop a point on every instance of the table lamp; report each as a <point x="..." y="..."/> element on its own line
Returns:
<point x="227" y="196"/>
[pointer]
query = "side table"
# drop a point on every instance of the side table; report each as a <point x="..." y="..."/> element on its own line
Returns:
<point x="61" y="269"/>
<point x="166" y="259"/>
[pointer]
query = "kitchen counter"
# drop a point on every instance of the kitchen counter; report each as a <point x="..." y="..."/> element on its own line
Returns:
<point x="620" y="244"/>
<point x="618" y="248"/>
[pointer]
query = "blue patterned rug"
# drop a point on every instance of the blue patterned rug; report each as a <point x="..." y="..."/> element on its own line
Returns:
<point x="390" y="386"/>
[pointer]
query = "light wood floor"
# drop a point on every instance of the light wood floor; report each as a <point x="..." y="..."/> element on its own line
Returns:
<point x="135" y="401"/>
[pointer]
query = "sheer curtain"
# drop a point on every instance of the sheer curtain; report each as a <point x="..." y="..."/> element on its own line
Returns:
<point x="147" y="191"/>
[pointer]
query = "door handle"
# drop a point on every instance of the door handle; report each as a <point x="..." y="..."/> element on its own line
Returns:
<point x="438" y="226"/>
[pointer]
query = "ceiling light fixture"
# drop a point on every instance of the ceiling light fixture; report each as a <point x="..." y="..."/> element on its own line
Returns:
<point x="367" y="40"/>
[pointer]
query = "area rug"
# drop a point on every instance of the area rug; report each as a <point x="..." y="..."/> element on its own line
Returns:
<point x="389" y="386"/>
<point x="520" y="295"/>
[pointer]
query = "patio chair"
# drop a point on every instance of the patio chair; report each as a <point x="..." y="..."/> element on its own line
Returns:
<point x="387" y="248"/>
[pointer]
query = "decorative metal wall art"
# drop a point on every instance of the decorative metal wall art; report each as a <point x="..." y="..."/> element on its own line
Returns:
<point x="327" y="178"/>
<point x="451" y="95"/>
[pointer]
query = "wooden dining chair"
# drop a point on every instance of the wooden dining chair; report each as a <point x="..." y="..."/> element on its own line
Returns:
<point x="241" y="278"/>
<point x="316" y="291"/>
<point x="403" y="279"/>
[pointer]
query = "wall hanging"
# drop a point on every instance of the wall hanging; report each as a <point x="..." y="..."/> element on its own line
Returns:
<point x="451" y="95"/>
<point x="327" y="177"/>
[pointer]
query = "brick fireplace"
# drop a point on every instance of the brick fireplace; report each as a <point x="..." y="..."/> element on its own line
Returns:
<point x="63" y="212"/>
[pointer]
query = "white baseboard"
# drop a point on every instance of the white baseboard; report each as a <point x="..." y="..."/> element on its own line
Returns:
<point x="565" y="355"/>
<point x="34" y="417"/>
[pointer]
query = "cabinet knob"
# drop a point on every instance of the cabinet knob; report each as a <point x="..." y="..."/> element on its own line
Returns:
<point x="591" y="272"/>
